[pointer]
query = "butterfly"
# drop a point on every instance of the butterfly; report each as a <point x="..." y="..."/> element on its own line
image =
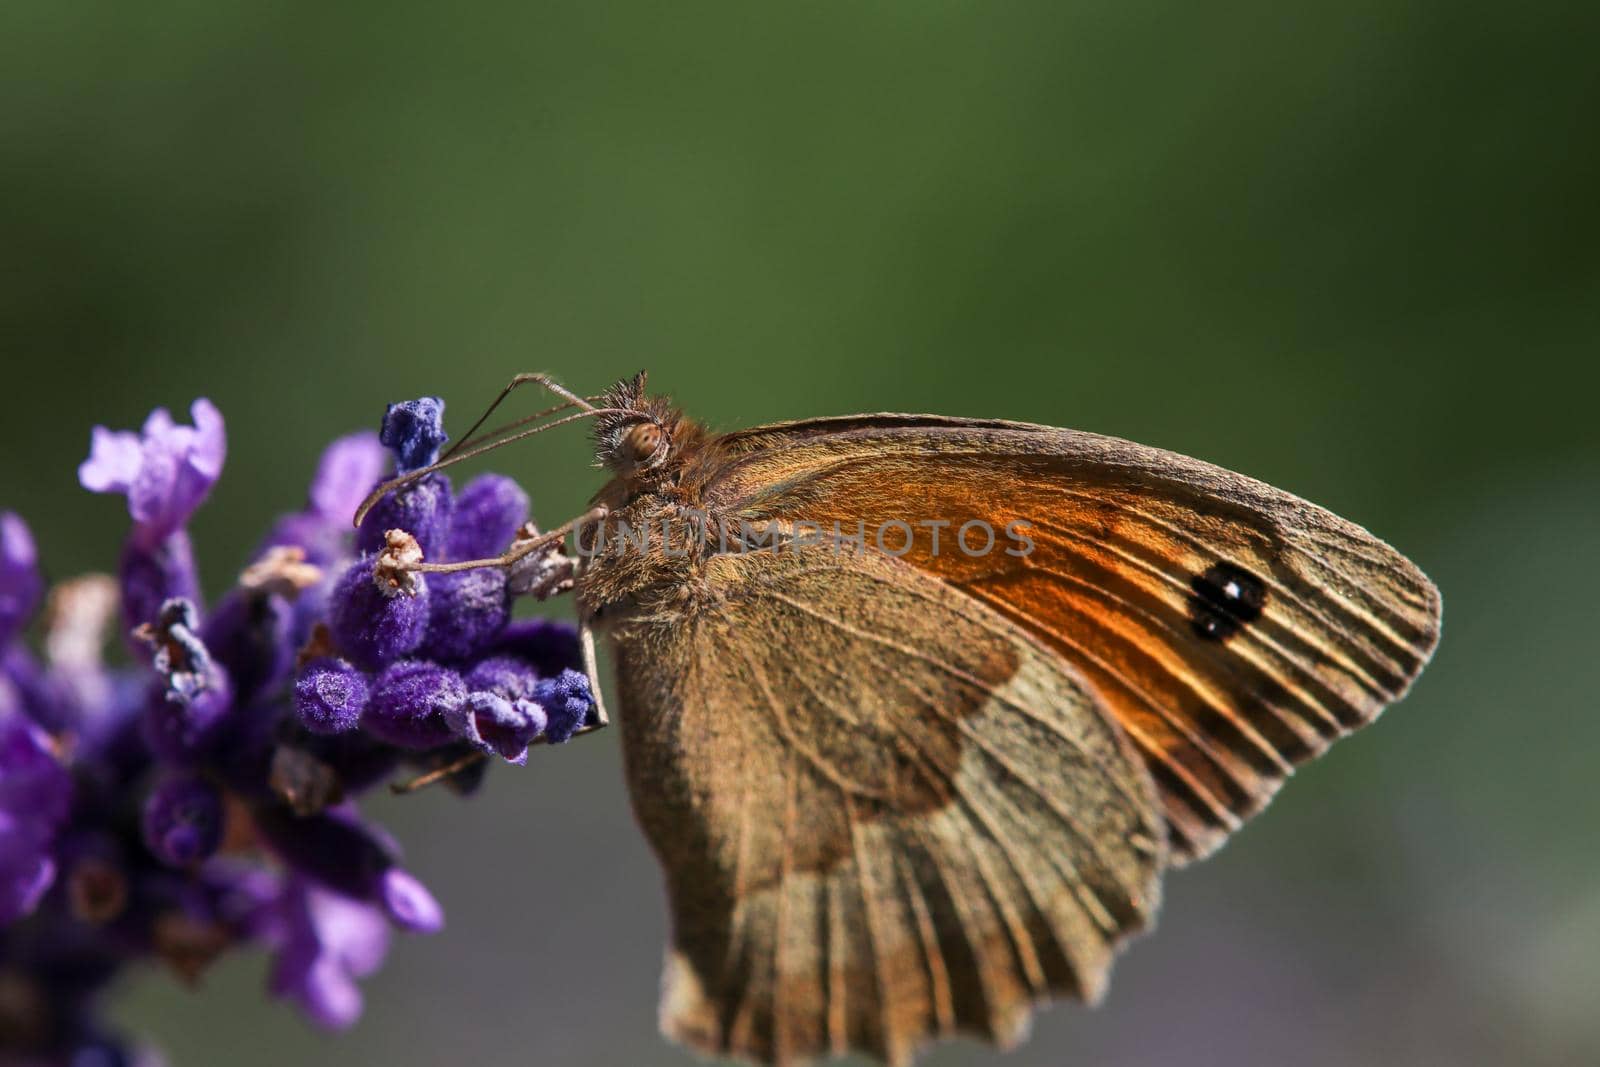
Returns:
<point x="916" y="711"/>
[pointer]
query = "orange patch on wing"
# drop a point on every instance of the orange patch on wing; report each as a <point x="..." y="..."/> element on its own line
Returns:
<point x="1104" y="577"/>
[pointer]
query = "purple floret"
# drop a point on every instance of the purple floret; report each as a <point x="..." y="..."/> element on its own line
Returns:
<point x="152" y="574"/>
<point x="181" y="729"/>
<point x="324" y="942"/>
<point x="340" y="852"/>
<point x="35" y="792"/>
<point x="183" y="820"/>
<point x="371" y="626"/>
<point x="33" y="781"/>
<point x="189" y="706"/>
<point x="508" y="676"/>
<point x="410" y="704"/>
<point x="349" y="468"/>
<point x="27" y="870"/>
<point x="492" y="723"/>
<point x="549" y="644"/>
<point x="414" y="431"/>
<point x="166" y="470"/>
<point x="330" y="695"/>
<point x="466" y="610"/>
<point x="488" y="512"/>
<point x="408" y="903"/>
<point x="423" y="509"/>
<point x="566" y="700"/>
<point x="252" y="634"/>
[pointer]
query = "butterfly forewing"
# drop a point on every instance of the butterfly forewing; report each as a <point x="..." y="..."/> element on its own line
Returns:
<point x="1232" y="629"/>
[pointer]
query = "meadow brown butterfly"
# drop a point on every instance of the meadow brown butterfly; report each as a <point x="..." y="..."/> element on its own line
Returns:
<point x="917" y="710"/>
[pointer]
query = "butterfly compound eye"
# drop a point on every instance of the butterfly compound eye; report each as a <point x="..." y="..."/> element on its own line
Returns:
<point x="642" y="442"/>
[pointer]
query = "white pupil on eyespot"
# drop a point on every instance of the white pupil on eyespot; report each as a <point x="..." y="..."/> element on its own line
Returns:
<point x="1231" y="590"/>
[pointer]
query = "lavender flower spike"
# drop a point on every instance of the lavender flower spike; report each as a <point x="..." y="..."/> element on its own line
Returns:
<point x="256" y="725"/>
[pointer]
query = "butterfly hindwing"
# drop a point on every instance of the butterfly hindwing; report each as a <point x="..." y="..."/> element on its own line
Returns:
<point x="885" y="813"/>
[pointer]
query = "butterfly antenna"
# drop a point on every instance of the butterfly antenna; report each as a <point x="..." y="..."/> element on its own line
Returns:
<point x="569" y="399"/>
<point x="404" y="480"/>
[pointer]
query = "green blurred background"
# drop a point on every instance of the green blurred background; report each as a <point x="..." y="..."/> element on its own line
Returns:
<point x="1350" y="248"/>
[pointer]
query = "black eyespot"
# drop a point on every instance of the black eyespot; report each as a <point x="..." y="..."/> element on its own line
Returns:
<point x="1225" y="598"/>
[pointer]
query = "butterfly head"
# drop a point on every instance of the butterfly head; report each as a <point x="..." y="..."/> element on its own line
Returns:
<point x="643" y="438"/>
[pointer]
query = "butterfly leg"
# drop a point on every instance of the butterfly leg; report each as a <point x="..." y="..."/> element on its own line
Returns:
<point x="591" y="667"/>
<point x="521" y="548"/>
<point x="438" y="774"/>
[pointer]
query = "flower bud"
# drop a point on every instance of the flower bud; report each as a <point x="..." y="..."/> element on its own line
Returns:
<point x="466" y="610"/>
<point x="410" y="702"/>
<point x="422" y="509"/>
<point x="183" y="820"/>
<point x="488" y="511"/>
<point x="330" y="695"/>
<point x="566" y="700"/>
<point x="371" y="627"/>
